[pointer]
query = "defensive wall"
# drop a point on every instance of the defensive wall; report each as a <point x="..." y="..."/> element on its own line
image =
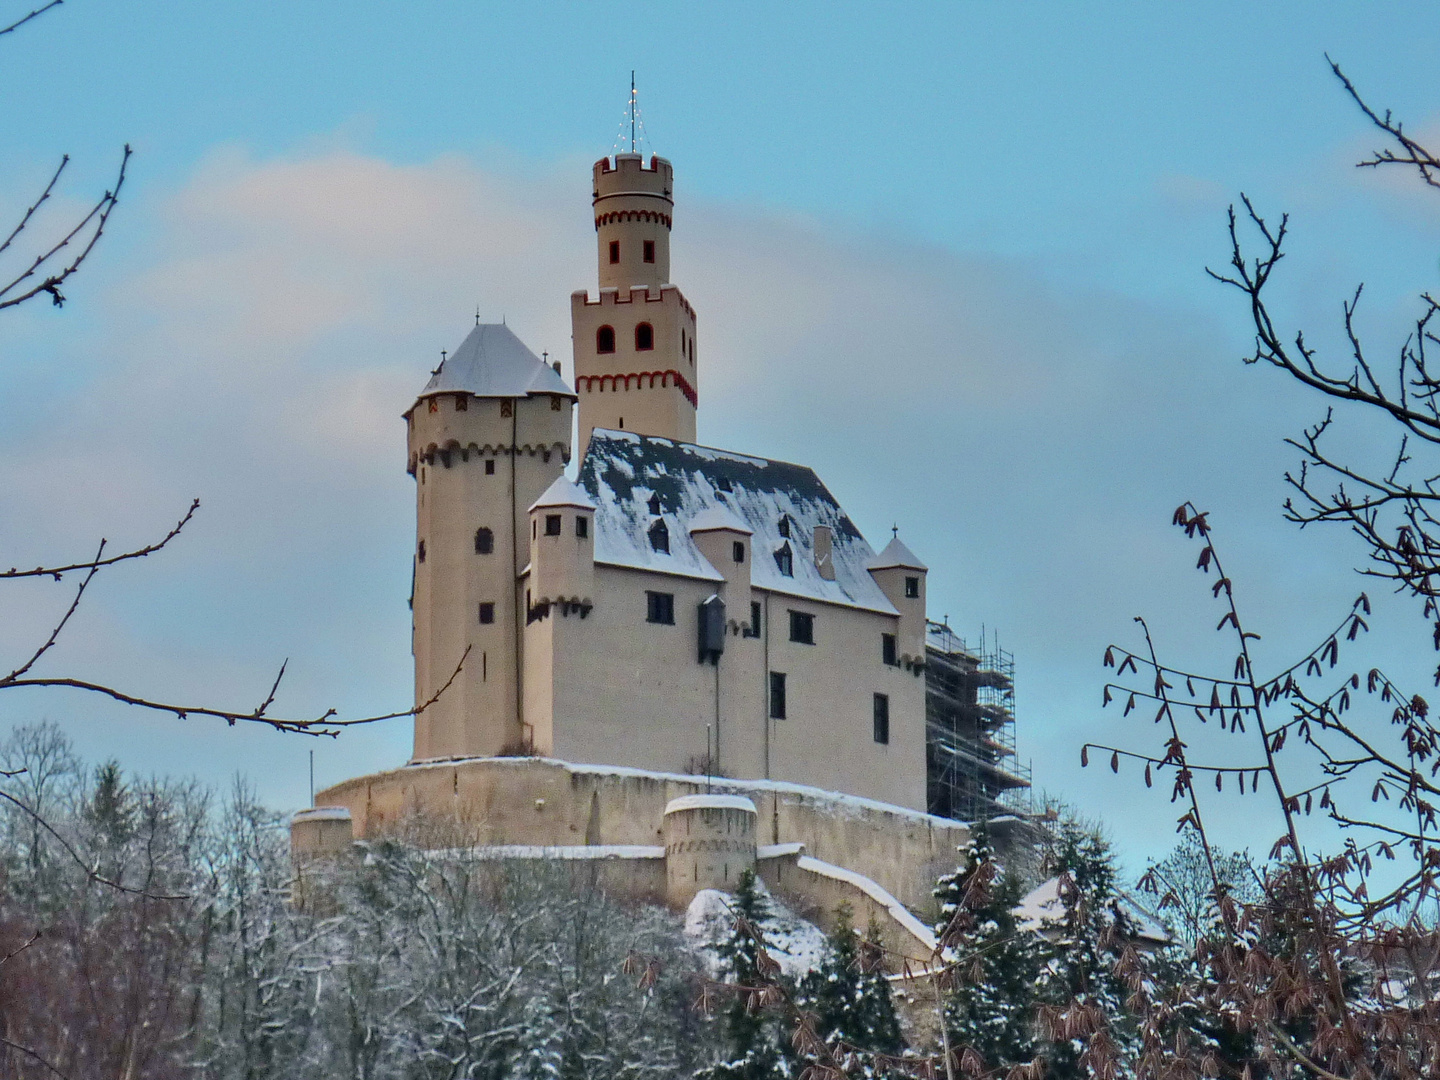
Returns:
<point x="813" y="848"/>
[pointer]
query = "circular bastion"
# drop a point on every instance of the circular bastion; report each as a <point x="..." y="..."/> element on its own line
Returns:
<point x="709" y="843"/>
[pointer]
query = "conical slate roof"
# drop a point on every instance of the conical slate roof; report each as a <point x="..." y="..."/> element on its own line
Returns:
<point x="493" y="362"/>
<point x="564" y="493"/>
<point x="896" y="554"/>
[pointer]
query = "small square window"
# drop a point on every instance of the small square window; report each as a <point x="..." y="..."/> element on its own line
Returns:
<point x="882" y="719"/>
<point x="490" y="467"/>
<point x="888" y="651"/>
<point x="552" y="524"/>
<point x="777" y="695"/>
<point x="614" y="251"/>
<point x="737" y="550"/>
<point x="660" y="608"/>
<point x="649" y="251"/>
<point x="802" y="628"/>
<point x="582" y="526"/>
<point x="487" y="613"/>
<point x="912" y="588"/>
<point x="462" y="402"/>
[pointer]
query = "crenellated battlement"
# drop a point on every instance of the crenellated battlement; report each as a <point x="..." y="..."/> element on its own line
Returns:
<point x="628" y="174"/>
<point x="612" y="296"/>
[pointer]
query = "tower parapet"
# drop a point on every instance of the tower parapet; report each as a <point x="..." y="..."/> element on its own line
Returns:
<point x="709" y="843"/>
<point x="636" y="340"/>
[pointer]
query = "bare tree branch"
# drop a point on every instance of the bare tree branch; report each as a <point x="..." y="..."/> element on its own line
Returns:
<point x="33" y="15"/>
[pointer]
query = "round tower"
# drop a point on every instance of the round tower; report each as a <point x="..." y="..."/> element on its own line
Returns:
<point x="633" y="206"/>
<point x="709" y="843"/>
<point x="487" y="436"/>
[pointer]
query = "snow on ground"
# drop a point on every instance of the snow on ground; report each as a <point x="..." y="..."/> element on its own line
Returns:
<point x="798" y="946"/>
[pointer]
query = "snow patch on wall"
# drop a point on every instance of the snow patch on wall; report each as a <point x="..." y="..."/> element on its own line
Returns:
<point x="797" y="946"/>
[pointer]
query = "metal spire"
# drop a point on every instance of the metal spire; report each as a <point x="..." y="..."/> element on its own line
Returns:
<point x="632" y="125"/>
<point x="632" y="110"/>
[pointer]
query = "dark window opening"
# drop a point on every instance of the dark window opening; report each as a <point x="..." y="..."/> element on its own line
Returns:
<point x="660" y="608"/>
<point x="737" y="550"/>
<point x="487" y="613"/>
<point x="777" y="695"/>
<point x="654" y="505"/>
<point x="754" y="618"/>
<point x="552" y="524"/>
<point x="534" y="530"/>
<point x="622" y="423"/>
<point x="490" y="467"/>
<point x="802" y="628"/>
<point x="582" y="526"/>
<point x="614" y="251"/>
<point x="888" y="651"/>
<point x="555" y="401"/>
<point x="784" y="525"/>
<point x="434" y="404"/>
<point x="649" y="251"/>
<point x="912" y="588"/>
<point x="605" y="339"/>
<point x="484" y="541"/>
<point x="420" y="551"/>
<point x="507" y="407"/>
<point x="462" y="402"/>
<point x="785" y="560"/>
<point x="660" y="538"/>
<point x="724" y="484"/>
<point x="882" y="719"/>
<point x="644" y="337"/>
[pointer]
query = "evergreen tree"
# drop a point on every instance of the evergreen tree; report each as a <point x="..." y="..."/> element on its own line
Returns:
<point x="991" y="1006"/>
<point x="1083" y="946"/>
<point x="754" y="1039"/>
<point x="849" y="995"/>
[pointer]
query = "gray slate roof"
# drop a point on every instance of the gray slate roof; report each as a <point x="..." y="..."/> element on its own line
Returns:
<point x="896" y="554"/>
<point x="622" y="470"/>
<point x="493" y="362"/>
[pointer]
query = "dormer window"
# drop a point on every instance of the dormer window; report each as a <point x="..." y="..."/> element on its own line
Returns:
<point x="723" y="484"/>
<point x="785" y="560"/>
<point x="784" y="527"/>
<point x="655" y="505"/>
<point x="644" y="337"/>
<point x="659" y="537"/>
<point x="605" y="339"/>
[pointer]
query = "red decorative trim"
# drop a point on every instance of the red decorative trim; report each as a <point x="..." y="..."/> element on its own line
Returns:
<point x="669" y="377"/>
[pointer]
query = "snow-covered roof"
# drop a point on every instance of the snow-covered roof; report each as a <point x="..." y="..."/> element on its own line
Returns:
<point x="493" y="362"/>
<point x="623" y="470"/>
<point x="709" y="802"/>
<point x="718" y="517"/>
<point x="564" y="492"/>
<point x="1043" y="907"/>
<point x="896" y="554"/>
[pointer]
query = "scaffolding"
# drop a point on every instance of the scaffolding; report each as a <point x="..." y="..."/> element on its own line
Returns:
<point x="972" y="771"/>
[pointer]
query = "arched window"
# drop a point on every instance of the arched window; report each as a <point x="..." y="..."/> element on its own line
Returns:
<point x="644" y="337"/>
<point x="484" y="541"/>
<point x="605" y="339"/>
<point x="659" y="537"/>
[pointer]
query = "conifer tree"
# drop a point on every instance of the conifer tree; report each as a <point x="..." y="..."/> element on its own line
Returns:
<point x="755" y="1044"/>
<point x="991" y="1006"/>
<point x="1082" y="948"/>
<point x="848" y="993"/>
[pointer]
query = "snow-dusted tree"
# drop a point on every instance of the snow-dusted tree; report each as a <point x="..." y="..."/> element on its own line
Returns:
<point x="753" y="1022"/>
<point x="1084" y="1018"/>
<point x="992" y="1001"/>
<point x="848" y="995"/>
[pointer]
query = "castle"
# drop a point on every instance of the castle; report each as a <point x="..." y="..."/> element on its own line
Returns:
<point x="684" y="662"/>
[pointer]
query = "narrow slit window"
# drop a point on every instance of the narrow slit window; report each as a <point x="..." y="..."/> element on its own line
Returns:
<point x="614" y="251"/>
<point x="649" y="251"/>
<point x="420" y="551"/>
<point x="737" y="550"/>
<point x="754" y="618"/>
<point x="582" y="526"/>
<point x="888" y="651"/>
<point x="882" y="719"/>
<point x="777" y="695"/>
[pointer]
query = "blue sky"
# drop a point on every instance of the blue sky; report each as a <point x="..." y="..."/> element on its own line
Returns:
<point x="953" y="256"/>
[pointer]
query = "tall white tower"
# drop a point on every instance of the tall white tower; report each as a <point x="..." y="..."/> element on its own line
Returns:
<point x="635" y="349"/>
<point x="487" y="436"/>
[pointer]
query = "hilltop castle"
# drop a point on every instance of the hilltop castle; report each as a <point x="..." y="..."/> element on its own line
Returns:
<point x="686" y="660"/>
